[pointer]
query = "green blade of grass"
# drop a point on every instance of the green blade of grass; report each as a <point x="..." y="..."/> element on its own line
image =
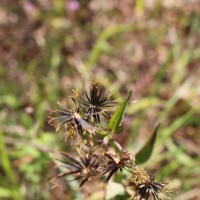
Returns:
<point x="5" y="193"/>
<point x="101" y="42"/>
<point x="5" y="162"/>
<point x="176" y="124"/>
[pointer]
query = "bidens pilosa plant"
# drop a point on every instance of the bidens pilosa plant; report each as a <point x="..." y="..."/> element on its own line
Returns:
<point x="100" y="157"/>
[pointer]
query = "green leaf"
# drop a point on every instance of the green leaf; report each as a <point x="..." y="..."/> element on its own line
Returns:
<point x="145" y="152"/>
<point x="113" y="189"/>
<point x="118" y="116"/>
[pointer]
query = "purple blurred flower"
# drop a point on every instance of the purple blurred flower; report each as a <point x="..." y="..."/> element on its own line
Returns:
<point x="73" y="5"/>
<point x="28" y="7"/>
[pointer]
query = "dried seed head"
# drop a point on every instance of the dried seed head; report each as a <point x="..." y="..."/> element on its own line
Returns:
<point x="96" y="101"/>
<point x="113" y="163"/>
<point x="73" y="122"/>
<point x="139" y="176"/>
<point x="84" y="168"/>
<point x="146" y="187"/>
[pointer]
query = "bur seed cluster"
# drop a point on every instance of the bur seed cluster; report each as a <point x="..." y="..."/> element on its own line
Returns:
<point x="83" y="123"/>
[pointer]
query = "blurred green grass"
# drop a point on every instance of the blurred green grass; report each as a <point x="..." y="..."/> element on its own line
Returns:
<point x="48" y="49"/>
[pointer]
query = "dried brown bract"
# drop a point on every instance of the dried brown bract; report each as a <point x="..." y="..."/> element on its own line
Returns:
<point x="113" y="163"/>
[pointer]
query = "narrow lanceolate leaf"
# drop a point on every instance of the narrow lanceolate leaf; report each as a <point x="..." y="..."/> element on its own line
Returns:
<point x="118" y="116"/>
<point x="145" y="152"/>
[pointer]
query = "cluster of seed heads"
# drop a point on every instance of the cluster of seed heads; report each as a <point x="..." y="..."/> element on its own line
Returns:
<point x="95" y="160"/>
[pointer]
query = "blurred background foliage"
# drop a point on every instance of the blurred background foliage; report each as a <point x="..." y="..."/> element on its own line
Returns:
<point x="50" y="47"/>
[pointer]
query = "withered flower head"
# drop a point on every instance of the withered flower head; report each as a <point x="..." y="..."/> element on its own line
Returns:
<point x="97" y="101"/>
<point x="84" y="169"/>
<point x="113" y="163"/>
<point x="146" y="187"/>
<point x="72" y="120"/>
